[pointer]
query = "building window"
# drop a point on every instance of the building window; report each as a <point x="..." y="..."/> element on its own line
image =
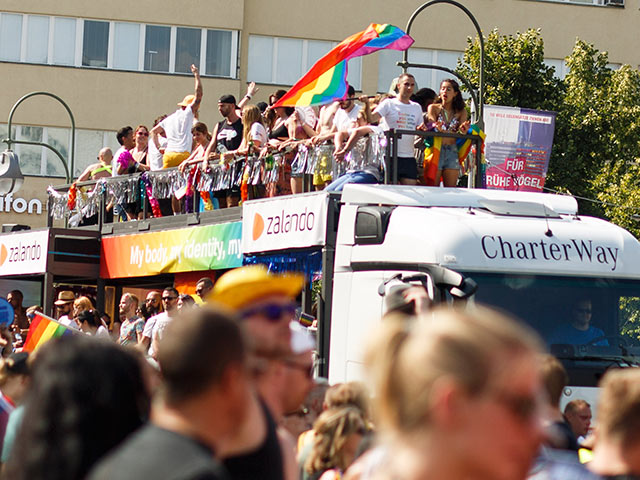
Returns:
<point x="126" y="45"/>
<point x="10" y="37"/>
<point x="37" y="39"/>
<point x="283" y="61"/>
<point x="157" y="47"/>
<point x="64" y="41"/>
<point x="187" y="49"/>
<point x="218" y="53"/>
<point x="95" y="44"/>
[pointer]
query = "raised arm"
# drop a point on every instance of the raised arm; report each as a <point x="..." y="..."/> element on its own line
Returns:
<point x="198" y="92"/>
<point x="251" y="91"/>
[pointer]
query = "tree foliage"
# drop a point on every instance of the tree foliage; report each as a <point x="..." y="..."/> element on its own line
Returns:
<point x="596" y="150"/>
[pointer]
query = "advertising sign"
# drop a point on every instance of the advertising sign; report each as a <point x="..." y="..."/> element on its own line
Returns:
<point x="23" y="253"/>
<point x="208" y="247"/>
<point x="517" y="147"/>
<point x="287" y="222"/>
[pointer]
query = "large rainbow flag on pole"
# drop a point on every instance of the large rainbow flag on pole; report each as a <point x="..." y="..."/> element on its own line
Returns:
<point x="326" y="81"/>
<point x="43" y="329"/>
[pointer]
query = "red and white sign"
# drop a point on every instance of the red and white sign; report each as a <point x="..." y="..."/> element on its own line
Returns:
<point x="22" y="253"/>
<point x="293" y="221"/>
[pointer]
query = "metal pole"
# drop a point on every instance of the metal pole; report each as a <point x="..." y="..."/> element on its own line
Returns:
<point x="405" y="54"/>
<point x="72" y="149"/>
<point x="9" y="141"/>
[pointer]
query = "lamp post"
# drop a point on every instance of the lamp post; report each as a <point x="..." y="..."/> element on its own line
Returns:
<point x="11" y="175"/>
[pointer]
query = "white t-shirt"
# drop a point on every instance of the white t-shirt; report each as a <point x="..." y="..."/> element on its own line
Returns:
<point x="154" y="155"/>
<point x="177" y="127"/>
<point x="160" y="322"/>
<point x="344" y="120"/>
<point x="114" y="161"/>
<point x="259" y="133"/>
<point x="405" y="116"/>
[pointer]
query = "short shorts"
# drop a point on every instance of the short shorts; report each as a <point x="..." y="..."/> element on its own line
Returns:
<point x="449" y="158"/>
<point x="173" y="159"/>
<point x="323" y="172"/>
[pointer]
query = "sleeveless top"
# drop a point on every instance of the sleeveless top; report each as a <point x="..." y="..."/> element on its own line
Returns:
<point x="265" y="463"/>
<point x="106" y="168"/>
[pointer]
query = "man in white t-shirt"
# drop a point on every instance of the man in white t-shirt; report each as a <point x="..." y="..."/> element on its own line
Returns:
<point x="177" y="127"/>
<point x="347" y="116"/>
<point x="159" y="322"/>
<point x="155" y="154"/>
<point x="401" y="113"/>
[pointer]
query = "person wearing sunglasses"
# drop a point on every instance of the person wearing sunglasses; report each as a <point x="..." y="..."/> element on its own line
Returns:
<point x="154" y="328"/>
<point x="265" y="304"/>
<point x="579" y="330"/>
<point x="457" y="396"/>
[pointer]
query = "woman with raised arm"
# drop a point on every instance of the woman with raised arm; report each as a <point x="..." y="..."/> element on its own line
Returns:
<point x="448" y="114"/>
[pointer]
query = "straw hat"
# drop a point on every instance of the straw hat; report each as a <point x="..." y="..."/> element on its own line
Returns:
<point x="188" y="100"/>
<point x="241" y="286"/>
<point x="65" y="296"/>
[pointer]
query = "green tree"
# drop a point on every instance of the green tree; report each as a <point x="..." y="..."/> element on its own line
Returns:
<point x="514" y="71"/>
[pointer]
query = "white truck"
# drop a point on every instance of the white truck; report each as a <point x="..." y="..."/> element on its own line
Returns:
<point x="528" y="254"/>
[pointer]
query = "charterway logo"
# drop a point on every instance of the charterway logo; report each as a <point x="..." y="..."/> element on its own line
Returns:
<point x="3" y="254"/>
<point x="258" y="226"/>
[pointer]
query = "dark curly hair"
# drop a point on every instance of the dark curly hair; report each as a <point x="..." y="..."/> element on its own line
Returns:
<point x="86" y="396"/>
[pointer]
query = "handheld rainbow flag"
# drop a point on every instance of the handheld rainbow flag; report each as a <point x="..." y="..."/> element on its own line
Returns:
<point x="43" y="329"/>
<point x="326" y="81"/>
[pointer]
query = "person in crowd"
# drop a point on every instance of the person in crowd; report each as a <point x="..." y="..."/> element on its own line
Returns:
<point x="616" y="453"/>
<point x="86" y="396"/>
<point x="579" y="330"/>
<point x="156" y="148"/>
<point x="400" y="113"/>
<point x="424" y="97"/>
<point x="101" y="169"/>
<point x="204" y="287"/>
<point x="265" y="305"/>
<point x="132" y="325"/>
<point x="471" y="410"/>
<point x="185" y="302"/>
<point x="558" y="431"/>
<point x="20" y="319"/>
<point x="577" y="414"/>
<point x="123" y="163"/>
<point x="155" y="326"/>
<point x="14" y="382"/>
<point x="226" y="136"/>
<point x="154" y="302"/>
<point x="201" y="139"/>
<point x="64" y="307"/>
<point x="338" y="433"/>
<point x="91" y="324"/>
<point x="177" y="127"/>
<point x="140" y="150"/>
<point x="126" y="141"/>
<point x="406" y="298"/>
<point x="80" y="304"/>
<point x="203" y="400"/>
<point x="448" y="114"/>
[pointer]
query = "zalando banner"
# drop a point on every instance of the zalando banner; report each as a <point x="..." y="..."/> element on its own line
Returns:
<point x="209" y="247"/>
<point x="294" y="221"/>
<point x="22" y="253"/>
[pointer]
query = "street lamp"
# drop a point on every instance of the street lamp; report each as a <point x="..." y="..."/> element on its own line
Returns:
<point x="11" y="177"/>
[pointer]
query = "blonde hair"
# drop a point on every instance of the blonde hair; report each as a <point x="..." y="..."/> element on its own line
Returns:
<point x="83" y="303"/>
<point x="331" y="431"/>
<point x="350" y="394"/>
<point x="409" y="355"/>
<point x="250" y="115"/>
<point x="619" y="406"/>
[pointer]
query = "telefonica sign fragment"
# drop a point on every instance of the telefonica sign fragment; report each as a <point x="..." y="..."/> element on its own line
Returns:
<point x="9" y="204"/>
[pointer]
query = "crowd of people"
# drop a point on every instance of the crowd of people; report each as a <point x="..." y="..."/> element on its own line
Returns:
<point x="226" y="388"/>
<point x="264" y="149"/>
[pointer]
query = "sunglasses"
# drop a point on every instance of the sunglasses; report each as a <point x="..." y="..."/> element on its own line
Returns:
<point x="524" y="407"/>
<point x="144" y="134"/>
<point x="166" y="299"/>
<point x="271" y="311"/>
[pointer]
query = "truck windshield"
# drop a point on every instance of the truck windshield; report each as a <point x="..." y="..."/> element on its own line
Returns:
<point x="589" y="319"/>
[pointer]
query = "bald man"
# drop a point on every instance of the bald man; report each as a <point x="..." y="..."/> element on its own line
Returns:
<point x="98" y="170"/>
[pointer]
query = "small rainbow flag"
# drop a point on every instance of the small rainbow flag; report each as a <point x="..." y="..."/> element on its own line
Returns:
<point x="43" y="329"/>
<point x="326" y="81"/>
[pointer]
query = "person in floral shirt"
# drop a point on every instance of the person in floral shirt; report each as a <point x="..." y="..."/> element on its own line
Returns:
<point x="132" y="325"/>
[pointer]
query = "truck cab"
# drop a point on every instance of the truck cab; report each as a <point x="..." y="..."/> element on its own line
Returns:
<point x="529" y="254"/>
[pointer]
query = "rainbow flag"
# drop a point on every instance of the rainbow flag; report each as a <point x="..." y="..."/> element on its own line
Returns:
<point x="43" y="329"/>
<point x="432" y="153"/>
<point x="326" y="81"/>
